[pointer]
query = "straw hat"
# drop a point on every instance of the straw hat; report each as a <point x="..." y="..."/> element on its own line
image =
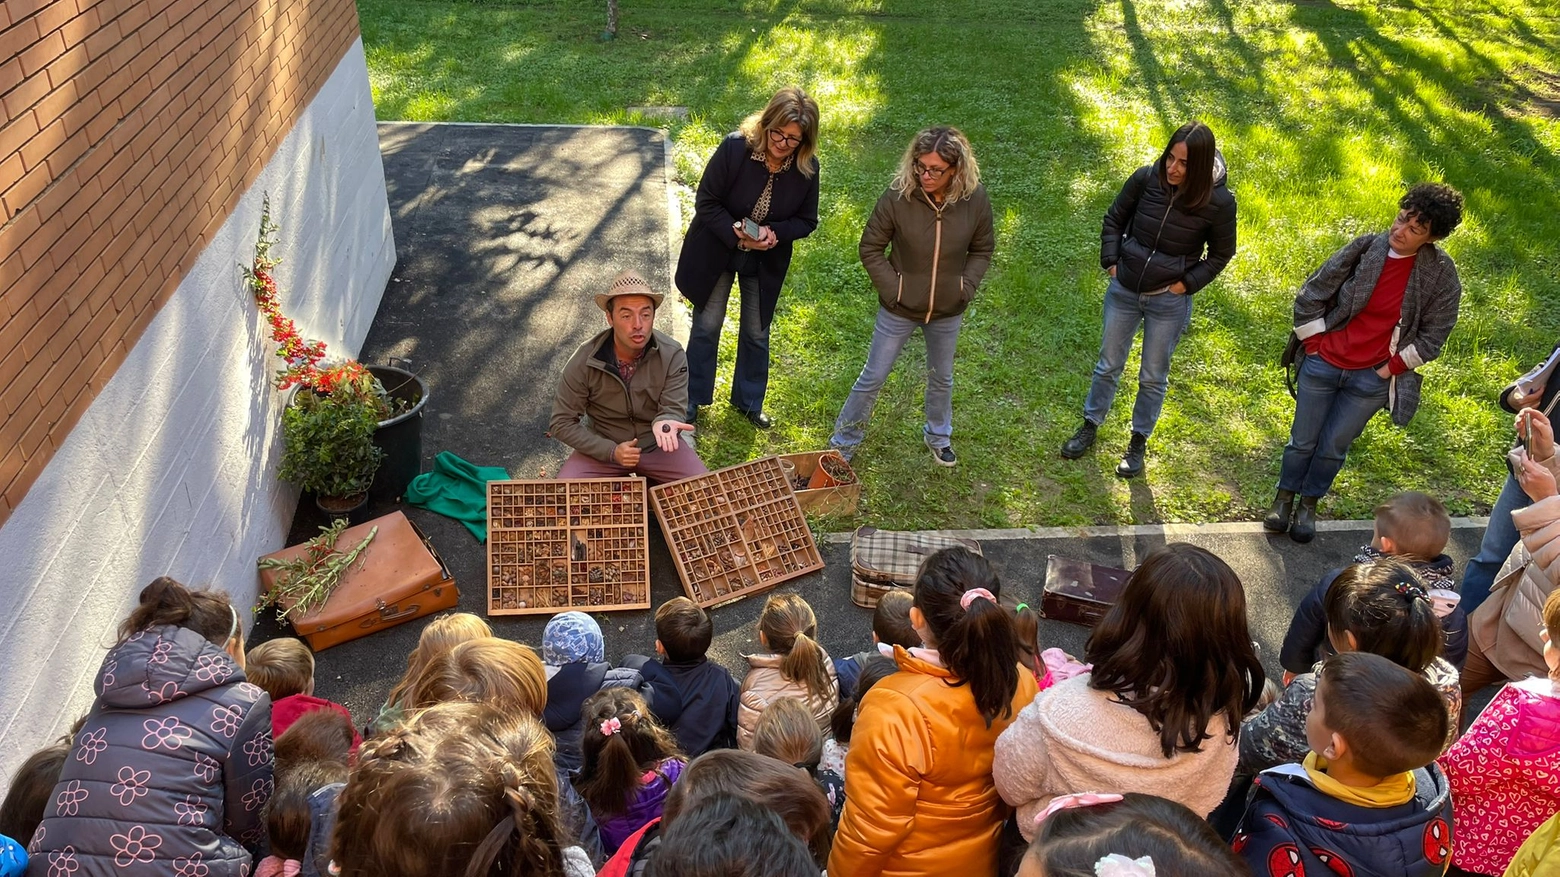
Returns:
<point x="627" y="282"/>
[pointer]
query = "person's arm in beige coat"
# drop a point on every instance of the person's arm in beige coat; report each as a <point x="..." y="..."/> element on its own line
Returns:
<point x="1018" y="767"/>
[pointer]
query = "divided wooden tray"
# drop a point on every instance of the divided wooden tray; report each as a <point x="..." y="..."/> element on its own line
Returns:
<point x="735" y="532"/>
<point x="560" y="545"/>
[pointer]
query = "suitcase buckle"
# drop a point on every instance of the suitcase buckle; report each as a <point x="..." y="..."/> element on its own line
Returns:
<point x="388" y="612"/>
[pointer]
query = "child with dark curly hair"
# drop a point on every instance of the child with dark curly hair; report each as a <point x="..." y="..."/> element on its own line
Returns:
<point x="1377" y="310"/>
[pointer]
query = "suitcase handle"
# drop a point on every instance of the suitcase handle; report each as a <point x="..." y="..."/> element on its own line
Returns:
<point x="389" y="612"/>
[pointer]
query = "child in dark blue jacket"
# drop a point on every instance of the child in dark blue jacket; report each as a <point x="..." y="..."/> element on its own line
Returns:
<point x="710" y="695"/>
<point x="890" y="627"/>
<point x="1411" y="527"/>
<point x="1369" y="799"/>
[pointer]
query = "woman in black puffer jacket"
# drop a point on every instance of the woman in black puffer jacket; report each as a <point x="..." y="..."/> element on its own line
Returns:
<point x="1169" y="232"/>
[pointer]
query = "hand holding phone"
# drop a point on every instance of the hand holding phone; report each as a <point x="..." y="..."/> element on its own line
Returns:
<point x="752" y="230"/>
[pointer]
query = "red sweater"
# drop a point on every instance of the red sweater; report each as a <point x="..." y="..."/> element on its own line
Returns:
<point x="287" y="710"/>
<point x="1366" y="340"/>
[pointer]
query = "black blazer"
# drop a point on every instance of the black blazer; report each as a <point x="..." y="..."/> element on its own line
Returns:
<point x="728" y="190"/>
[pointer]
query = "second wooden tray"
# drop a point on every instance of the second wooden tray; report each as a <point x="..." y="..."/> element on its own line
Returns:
<point x="735" y="532"/>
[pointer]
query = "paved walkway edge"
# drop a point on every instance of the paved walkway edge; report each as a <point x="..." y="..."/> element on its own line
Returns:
<point x="1237" y="528"/>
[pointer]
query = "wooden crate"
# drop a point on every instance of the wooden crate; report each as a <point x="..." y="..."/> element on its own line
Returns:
<point x="843" y="499"/>
<point x="735" y="532"/>
<point x="559" y="545"/>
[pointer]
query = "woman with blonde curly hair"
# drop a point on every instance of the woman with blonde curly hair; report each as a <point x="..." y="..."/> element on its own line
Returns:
<point x="759" y="193"/>
<point x="926" y="247"/>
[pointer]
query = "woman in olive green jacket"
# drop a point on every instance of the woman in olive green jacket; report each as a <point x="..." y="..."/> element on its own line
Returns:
<point x="926" y="248"/>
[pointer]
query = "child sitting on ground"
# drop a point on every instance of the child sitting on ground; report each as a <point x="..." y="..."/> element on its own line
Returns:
<point x="796" y="666"/>
<point x="708" y="721"/>
<point x="890" y="627"/>
<point x="731" y="836"/>
<point x="843" y="722"/>
<point x="630" y="764"/>
<point x="488" y="775"/>
<point x="1137" y="834"/>
<point x="575" y="657"/>
<point x="509" y="677"/>
<point x="1378" y="607"/>
<point x="786" y="731"/>
<point x="31" y="792"/>
<point x="442" y="634"/>
<point x="1414" y="529"/>
<point x="312" y="758"/>
<point x="1502" y="770"/>
<point x="777" y="787"/>
<point x="1369" y="798"/>
<point x="285" y="669"/>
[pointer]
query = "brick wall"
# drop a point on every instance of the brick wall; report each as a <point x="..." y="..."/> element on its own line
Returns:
<point x="129" y="129"/>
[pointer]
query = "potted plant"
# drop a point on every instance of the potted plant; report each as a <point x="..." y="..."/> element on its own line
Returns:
<point x="328" y="449"/>
<point x="328" y="427"/>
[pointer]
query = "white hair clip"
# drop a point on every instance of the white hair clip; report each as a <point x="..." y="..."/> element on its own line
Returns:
<point x="1117" y="865"/>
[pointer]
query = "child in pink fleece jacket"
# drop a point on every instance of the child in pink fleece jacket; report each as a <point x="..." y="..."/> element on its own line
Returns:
<point x="1182" y="616"/>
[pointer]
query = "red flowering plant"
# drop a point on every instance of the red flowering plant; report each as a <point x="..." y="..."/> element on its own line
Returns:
<point x="327" y="431"/>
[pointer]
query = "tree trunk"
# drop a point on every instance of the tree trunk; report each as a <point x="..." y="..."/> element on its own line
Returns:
<point x="612" y="18"/>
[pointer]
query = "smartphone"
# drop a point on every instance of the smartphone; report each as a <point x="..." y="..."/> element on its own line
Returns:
<point x="751" y="229"/>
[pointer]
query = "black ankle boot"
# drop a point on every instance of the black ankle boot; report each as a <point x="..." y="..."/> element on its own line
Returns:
<point x="1304" y="528"/>
<point x="1131" y="465"/>
<point x="1279" y="513"/>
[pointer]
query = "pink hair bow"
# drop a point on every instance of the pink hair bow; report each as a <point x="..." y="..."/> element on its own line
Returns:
<point x="1067" y="802"/>
<point x="971" y="594"/>
<point x="611" y="726"/>
<point x="275" y="866"/>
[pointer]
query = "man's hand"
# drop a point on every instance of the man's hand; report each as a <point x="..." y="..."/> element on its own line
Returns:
<point x="1178" y="288"/>
<point x="666" y="433"/>
<point x="1111" y="270"/>
<point x="1384" y="372"/>
<point x="627" y="454"/>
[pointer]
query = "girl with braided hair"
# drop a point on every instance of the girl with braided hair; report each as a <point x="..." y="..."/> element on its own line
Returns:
<point x="459" y="789"/>
<point x="631" y="762"/>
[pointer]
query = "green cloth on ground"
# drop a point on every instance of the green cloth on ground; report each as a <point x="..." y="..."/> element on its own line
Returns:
<point x="456" y="489"/>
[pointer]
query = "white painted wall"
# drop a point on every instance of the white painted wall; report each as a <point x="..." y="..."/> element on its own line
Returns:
<point x="172" y="469"/>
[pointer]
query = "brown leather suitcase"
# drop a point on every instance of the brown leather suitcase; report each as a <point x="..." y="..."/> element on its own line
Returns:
<point x="398" y="578"/>
<point x="1080" y="592"/>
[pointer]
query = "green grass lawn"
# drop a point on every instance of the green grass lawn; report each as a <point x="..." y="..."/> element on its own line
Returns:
<point x="1324" y="111"/>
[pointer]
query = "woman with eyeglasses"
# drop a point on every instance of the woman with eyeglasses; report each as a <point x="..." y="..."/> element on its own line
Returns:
<point x="926" y="247"/>
<point x="1169" y="232"/>
<point x="758" y="194"/>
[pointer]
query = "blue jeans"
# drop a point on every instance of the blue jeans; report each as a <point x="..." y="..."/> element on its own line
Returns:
<point x="750" y="378"/>
<point x="888" y="338"/>
<point x="1499" y="538"/>
<point x="1163" y="318"/>
<point x="1332" y="406"/>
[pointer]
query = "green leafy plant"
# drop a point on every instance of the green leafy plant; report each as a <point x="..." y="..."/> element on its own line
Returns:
<point x="304" y="583"/>
<point x="329" y="443"/>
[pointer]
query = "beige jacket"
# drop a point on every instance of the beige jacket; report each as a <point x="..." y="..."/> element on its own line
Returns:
<point x="594" y="410"/>
<point x="1073" y="738"/>
<point x="1505" y="626"/>
<point x="764" y="685"/>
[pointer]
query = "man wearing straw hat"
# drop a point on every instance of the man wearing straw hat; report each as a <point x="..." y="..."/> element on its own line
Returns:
<point x="624" y="393"/>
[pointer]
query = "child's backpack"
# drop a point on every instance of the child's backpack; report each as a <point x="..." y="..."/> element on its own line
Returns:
<point x="881" y="560"/>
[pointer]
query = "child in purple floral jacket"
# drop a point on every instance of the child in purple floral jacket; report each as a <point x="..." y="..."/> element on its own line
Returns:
<point x="171" y="770"/>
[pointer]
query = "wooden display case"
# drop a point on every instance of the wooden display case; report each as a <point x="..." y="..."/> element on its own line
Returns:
<point x="560" y="545"/>
<point x="735" y="532"/>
